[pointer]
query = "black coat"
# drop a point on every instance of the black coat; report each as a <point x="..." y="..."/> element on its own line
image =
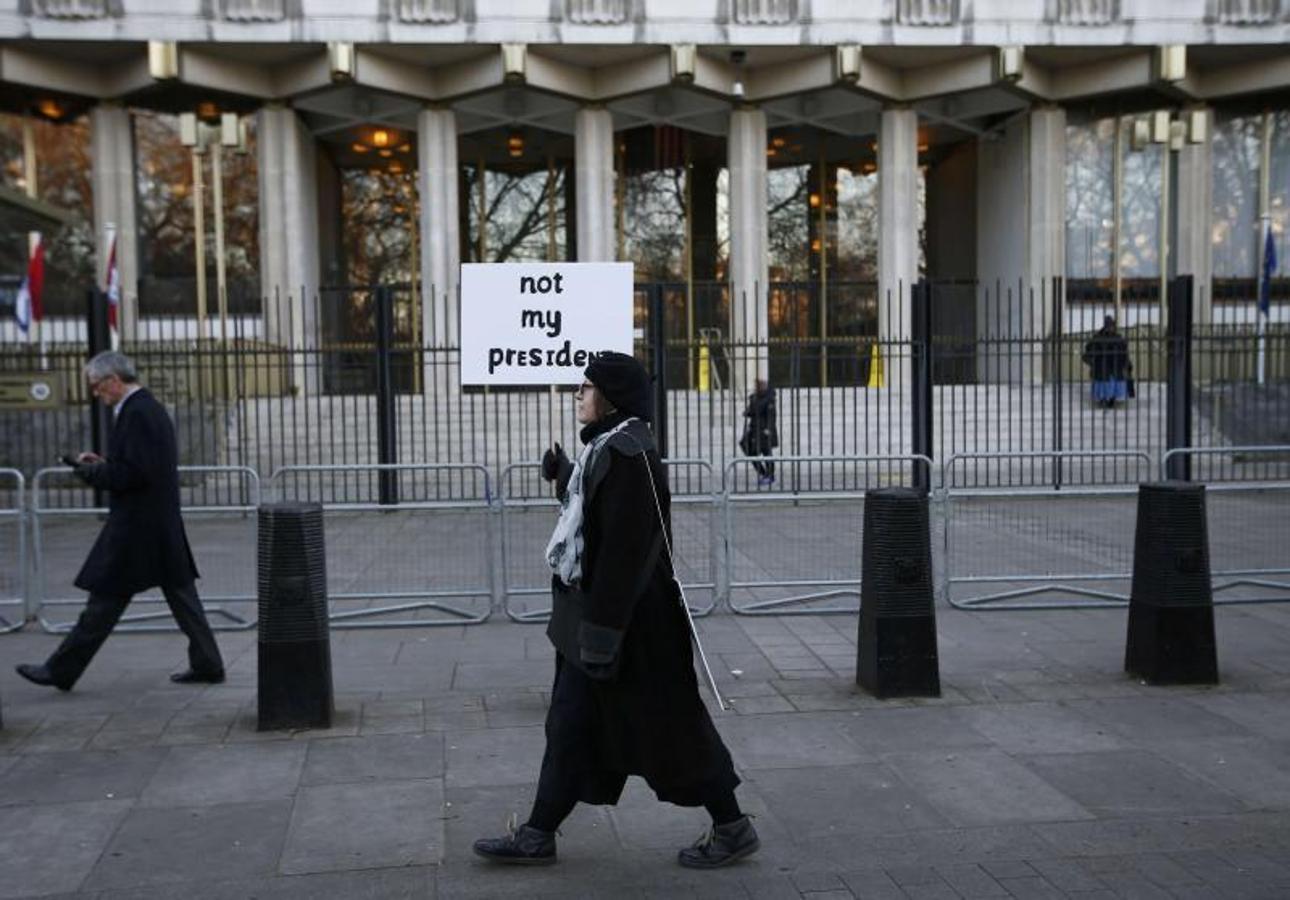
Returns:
<point x="643" y="709"/>
<point x="761" y="433"/>
<point x="1107" y="356"/>
<point x="143" y="543"/>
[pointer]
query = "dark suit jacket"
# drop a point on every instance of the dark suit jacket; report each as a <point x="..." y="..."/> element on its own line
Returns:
<point x="143" y="543"/>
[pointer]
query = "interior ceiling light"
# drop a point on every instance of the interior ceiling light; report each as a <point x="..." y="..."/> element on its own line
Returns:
<point x="380" y="138"/>
<point x="515" y="144"/>
<point x="207" y="111"/>
<point x="396" y="167"/>
<point x="814" y="200"/>
<point x="405" y="148"/>
<point x="778" y="142"/>
<point x="358" y="147"/>
<point x="386" y="153"/>
<point x="50" y="109"/>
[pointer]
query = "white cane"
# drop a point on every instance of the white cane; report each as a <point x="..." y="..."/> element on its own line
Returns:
<point x="689" y="617"/>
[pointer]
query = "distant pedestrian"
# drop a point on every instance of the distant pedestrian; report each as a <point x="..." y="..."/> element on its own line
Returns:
<point x="625" y="699"/>
<point x="1107" y="356"/>
<point x="760" y="435"/>
<point x="142" y="544"/>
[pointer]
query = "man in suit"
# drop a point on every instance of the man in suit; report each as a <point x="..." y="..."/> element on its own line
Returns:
<point x="142" y="544"/>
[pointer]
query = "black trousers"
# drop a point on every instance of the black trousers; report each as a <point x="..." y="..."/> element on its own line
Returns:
<point x="100" y="616"/>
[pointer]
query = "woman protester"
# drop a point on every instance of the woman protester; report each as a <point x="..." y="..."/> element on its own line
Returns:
<point x="625" y="699"/>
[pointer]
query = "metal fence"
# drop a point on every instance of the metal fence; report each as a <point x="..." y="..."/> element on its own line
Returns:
<point x="1248" y="523"/>
<point x="802" y="531"/>
<point x="398" y="564"/>
<point x="285" y="388"/>
<point x="14" y="570"/>
<point x="1046" y="538"/>
<point x="219" y="509"/>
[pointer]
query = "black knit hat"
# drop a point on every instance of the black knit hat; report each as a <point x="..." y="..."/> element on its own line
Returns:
<point x="623" y="382"/>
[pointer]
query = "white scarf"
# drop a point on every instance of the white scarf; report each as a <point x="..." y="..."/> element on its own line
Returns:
<point x="564" y="550"/>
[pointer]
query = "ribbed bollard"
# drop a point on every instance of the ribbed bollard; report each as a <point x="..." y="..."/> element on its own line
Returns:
<point x="295" y="689"/>
<point x="897" y="642"/>
<point x="1171" y="604"/>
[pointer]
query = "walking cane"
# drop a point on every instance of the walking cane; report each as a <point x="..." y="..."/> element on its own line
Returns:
<point x="689" y="617"/>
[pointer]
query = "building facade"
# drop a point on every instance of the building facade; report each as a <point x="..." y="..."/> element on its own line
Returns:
<point x="784" y="167"/>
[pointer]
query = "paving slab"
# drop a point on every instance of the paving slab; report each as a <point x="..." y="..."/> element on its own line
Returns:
<point x="225" y="773"/>
<point x="85" y="775"/>
<point x="176" y="846"/>
<point x="365" y="825"/>
<point x="411" y="882"/>
<point x="51" y="849"/>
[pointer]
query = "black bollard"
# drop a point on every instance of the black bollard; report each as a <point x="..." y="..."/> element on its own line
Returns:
<point x="1171" y="603"/>
<point x="896" y="656"/>
<point x="295" y="688"/>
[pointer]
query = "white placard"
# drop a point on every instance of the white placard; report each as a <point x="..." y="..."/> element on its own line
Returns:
<point x="541" y="323"/>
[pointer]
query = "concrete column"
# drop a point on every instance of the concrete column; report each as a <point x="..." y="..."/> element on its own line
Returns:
<point x="897" y="237"/>
<point x="112" y="176"/>
<point x="593" y="153"/>
<point x="897" y="220"/>
<point x="1195" y="210"/>
<point x="289" y="267"/>
<point x="1046" y="201"/>
<point x="749" y="268"/>
<point x="1021" y="221"/>
<point x="437" y="178"/>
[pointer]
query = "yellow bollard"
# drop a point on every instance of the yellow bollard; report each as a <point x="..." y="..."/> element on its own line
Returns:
<point x="875" y="366"/>
<point x="705" y="364"/>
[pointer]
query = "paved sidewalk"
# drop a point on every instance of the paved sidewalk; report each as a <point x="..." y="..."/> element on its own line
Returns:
<point x="1042" y="772"/>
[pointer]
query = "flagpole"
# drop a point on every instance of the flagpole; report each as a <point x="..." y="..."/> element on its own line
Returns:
<point x="29" y="172"/>
<point x="1265" y="219"/>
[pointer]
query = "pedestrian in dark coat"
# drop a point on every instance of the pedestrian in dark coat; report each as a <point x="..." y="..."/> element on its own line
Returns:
<point x="625" y="699"/>
<point x="1107" y="357"/>
<point x="761" y="434"/>
<point x="143" y="543"/>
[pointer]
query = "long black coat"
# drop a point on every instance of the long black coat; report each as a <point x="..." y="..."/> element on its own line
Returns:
<point x="646" y="718"/>
<point x="143" y="543"/>
<point x="761" y="433"/>
<point x="1107" y="356"/>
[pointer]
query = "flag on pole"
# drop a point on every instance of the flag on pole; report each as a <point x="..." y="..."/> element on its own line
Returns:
<point x="1269" y="266"/>
<point x="28" y="308"/>
<point x="113" y="286"/>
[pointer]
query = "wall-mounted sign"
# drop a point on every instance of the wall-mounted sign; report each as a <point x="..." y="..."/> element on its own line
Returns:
<point x="541" y="323"/>
<point x="31" y="390"/>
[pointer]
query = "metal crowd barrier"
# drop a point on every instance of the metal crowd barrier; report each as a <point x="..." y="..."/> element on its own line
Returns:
<point x="358" y="523"/>
<point x="1226" y="545"/>
<point x="527" y="517"/>
<point x="1010" y="539"/>
<point x="778" y="498"/>
<point x="43" y="516"/>
<point x="14" y="586"/>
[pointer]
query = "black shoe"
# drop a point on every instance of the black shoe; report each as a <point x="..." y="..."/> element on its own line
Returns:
<point x="40" y="675"/>
<point x="722" y="845"/>
<point x="191" y="676"/>
<point x="523" y="846"/>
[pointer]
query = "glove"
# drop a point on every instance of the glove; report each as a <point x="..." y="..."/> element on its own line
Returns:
<point x="556" y="466"/>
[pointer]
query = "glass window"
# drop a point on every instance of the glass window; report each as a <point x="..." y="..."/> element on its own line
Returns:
<point x="1140" y="212"/>
<point x="1279" y="192"/>
<point x="164" y="183"/>
<point x="524" y="214"/>
<point x="63" y="181"/>
<point x="1236" y="160"/>
<point x="1090" y="199"/>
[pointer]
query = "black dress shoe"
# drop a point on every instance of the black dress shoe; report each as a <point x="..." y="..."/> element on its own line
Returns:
<point x="40" y="675"/>
<point x="722" y="845"/>
<point x="190" y="676"/>
<point x="523" y="846"/>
